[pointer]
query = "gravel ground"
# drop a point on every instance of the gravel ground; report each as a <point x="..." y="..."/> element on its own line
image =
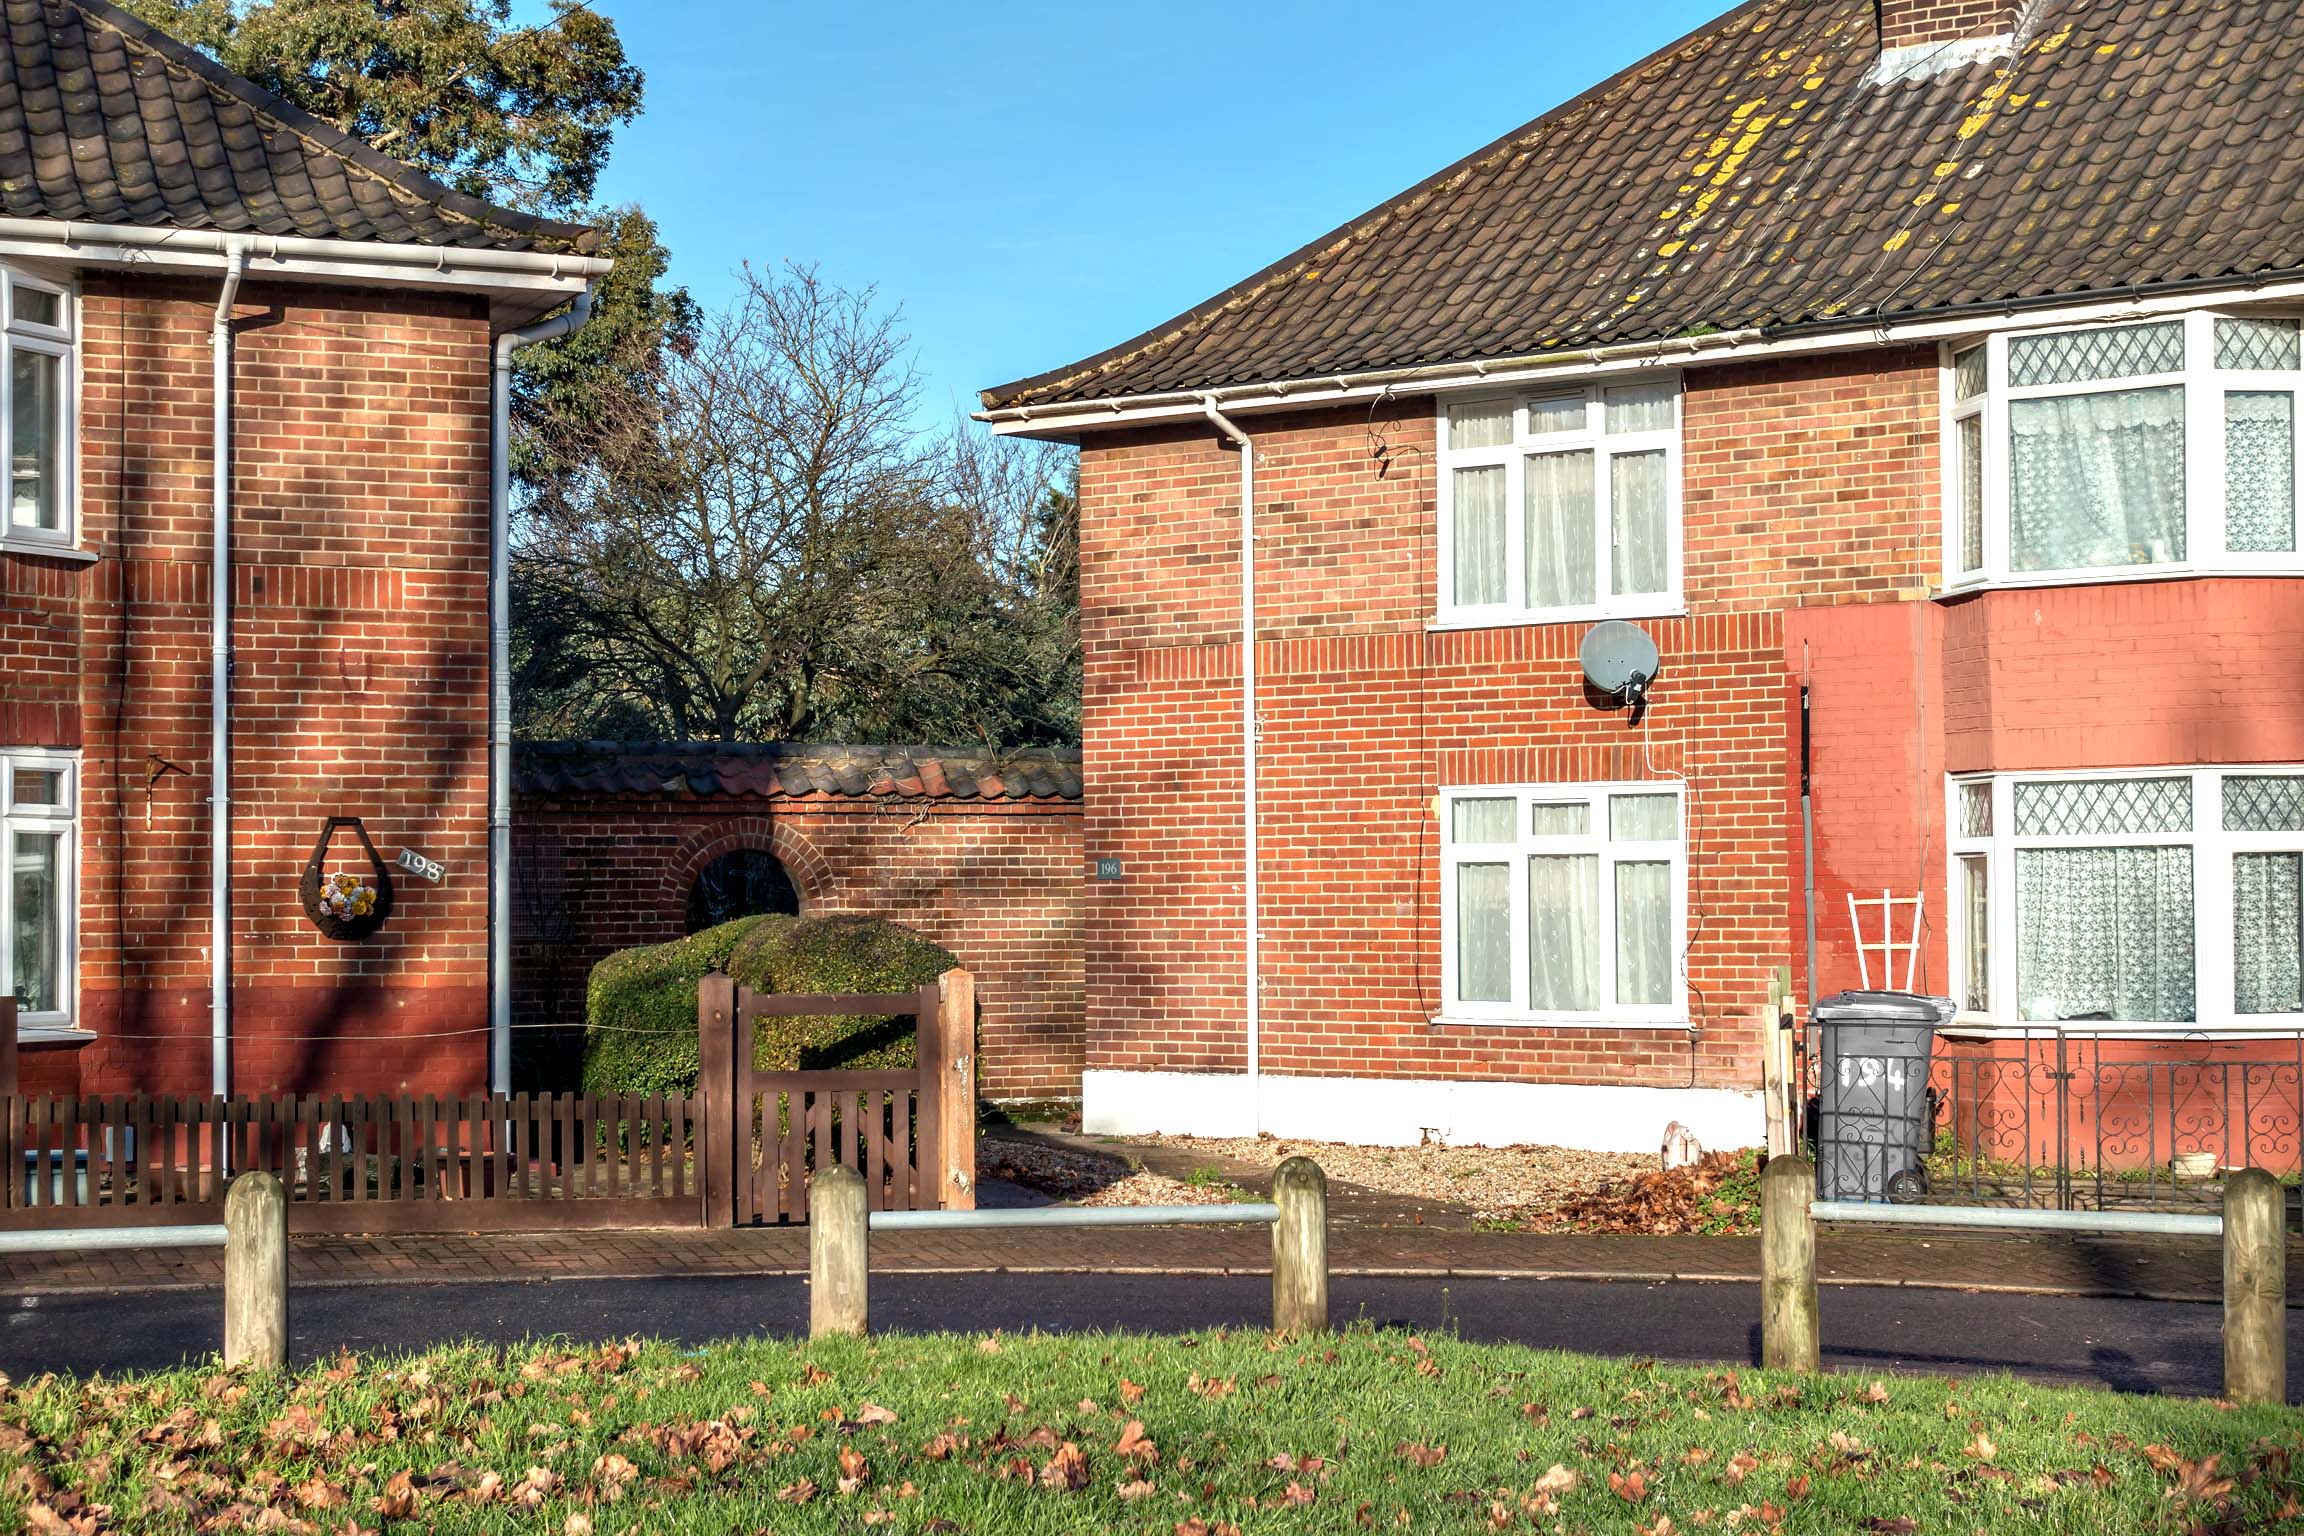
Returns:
<point x="1504" y="1183"/>
<point x="1085" y="1179"/>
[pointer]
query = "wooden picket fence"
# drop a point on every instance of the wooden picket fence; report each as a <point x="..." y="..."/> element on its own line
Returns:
<point x="740" y="1150"/>
<point x="357" y="1163"/>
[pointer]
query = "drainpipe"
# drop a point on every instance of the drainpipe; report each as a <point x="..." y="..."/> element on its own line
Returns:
<point x="1252" y="939"/>
<point x="500" y="680"/>
<point x="220" y="679"/>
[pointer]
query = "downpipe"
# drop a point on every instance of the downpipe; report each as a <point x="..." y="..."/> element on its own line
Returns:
<point x="1252" y="938"/>
<point x="508" y="345"/>
<point x="220" y="663"/>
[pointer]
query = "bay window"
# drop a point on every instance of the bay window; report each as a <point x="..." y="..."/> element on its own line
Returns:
<point x="39" y="799"/>
<point x="36" y="409"/>
<point x="2159" y="446"/>
<point x="1563" y="903"/>
<point x="2158" y="898"/>
<point x="1561" y="504"/>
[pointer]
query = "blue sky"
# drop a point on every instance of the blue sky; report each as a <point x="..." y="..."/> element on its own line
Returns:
<point x="1035" y="182"/>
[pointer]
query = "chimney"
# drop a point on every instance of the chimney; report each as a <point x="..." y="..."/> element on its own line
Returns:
<point x="1932" y="23"/>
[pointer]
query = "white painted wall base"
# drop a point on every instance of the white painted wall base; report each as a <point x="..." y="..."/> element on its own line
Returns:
<point x="1399" y="1112"/>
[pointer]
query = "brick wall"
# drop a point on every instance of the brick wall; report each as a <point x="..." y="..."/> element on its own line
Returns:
<point x="1904" y="23"/>
<point x="360" y="492"/>
<point x="1807" y="484"/>
<point x="996" y="883"/>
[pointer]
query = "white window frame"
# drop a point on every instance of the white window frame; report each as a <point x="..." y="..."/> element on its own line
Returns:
<point x="2204" y="385"/>
<point x="1604" y="447"/>
<point x="64" y="817"/>
<point x="2212" y="848"/>
<point x="1594" y="841"/>
<point x="59" y="341"/>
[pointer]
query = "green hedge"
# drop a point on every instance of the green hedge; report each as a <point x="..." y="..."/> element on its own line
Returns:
<point x="640" y="1007"/>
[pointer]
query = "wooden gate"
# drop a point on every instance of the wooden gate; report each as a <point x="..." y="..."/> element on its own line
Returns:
<point x="910" y="1131"/>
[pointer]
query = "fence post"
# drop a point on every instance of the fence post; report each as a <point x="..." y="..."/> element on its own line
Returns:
<point x="1300" y="1248"/>
<point x="716" y="1116"/>
<point x="839" y="1251"/>
<point x="1788" y="1332"/>
<point x="256" y="1272"/>
<point x="955" y="1023"/>
<point x="2255" y="1288"/>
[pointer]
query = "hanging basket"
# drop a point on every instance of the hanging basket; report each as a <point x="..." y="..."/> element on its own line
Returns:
<point x="328" y="915"/>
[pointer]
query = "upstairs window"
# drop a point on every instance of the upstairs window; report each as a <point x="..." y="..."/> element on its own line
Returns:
<point x="1561" y="505"/>
<point x="2145" y="447"/>
<point x="36" y="409"/>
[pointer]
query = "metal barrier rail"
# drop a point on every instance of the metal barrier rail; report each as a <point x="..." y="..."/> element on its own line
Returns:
<point x="106" y="1239"/>
<point x="2101" y="1223"/>
<point x="1244" y="1214"/>
<point x="2253" y="1230"/>
<point x="840" y="1228"/>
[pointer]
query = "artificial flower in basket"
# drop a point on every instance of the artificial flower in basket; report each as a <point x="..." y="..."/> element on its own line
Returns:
<point x="343" y="896"/>
<point x="345" y="906"/>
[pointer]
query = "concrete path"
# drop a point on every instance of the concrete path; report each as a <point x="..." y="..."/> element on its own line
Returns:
<point x="2134" y="1346"/>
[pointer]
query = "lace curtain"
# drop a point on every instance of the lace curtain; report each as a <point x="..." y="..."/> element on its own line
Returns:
<point x="1560" y="529"/>
<point x="2259" y="471"/>
<point x="1484" y="933"/>
<point x="2105" y="933"/>
<point x="2097" y="479"/>
<point x="1479" y="535"/>
<point x="1636" y="496"/>
<point x="2267" y="939"/>
<point x="1643" y="933"/>
<point x="1563" y="933"/>
<point x="33" y="868"/>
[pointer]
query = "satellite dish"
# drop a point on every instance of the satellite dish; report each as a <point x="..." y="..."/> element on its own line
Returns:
<point x="1621" y="661"/>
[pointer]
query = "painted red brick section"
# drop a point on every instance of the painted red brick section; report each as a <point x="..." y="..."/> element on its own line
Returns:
<point x="360" y="513"/>
<point x="997" y="883"/>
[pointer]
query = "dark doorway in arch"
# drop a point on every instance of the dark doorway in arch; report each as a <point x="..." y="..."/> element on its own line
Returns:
<point x="740" y="884"/>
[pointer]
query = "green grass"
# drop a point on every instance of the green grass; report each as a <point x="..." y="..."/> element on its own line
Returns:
<point x="1192" y="1435"/>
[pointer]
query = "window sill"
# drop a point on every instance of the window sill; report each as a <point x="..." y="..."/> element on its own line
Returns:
<point x="1556" y="1021"/>
<point x="1671" y="609"/>
<point x="52" y="1036"/>
<point x="2108" y="576"/>
<point x="72" y="554"/>
<point x="2041" y="1029"/>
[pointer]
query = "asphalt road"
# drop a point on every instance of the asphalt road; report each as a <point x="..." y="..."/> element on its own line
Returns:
<point x="2134" y="1346"/>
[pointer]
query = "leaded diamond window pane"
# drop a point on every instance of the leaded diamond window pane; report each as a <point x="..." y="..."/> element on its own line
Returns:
<point x="2260" y="471"/>
<point x="1971" y="430"/>
<point x="1968" y="373"/>
<point x="2104" y="352"/>
<point x="2263" y="803"/>
<point x="1975" y="810"/>
<point x="2087" y="807"/>
<point x="2244" y="343"/>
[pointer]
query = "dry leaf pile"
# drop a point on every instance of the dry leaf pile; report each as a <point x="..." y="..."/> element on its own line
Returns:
<point x="1710" y="1195"/>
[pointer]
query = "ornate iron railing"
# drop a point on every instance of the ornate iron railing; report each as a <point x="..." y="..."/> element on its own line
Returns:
<point x="2057" y="1118"/>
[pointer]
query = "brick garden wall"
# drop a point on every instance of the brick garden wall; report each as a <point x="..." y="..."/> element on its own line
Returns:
<point x="360" y="490"/>
<point x="1807" y="484"/>
<point x="998" y="884"/>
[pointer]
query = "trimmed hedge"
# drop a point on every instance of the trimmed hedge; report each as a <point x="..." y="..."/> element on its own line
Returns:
<point x="640" y="1006"/>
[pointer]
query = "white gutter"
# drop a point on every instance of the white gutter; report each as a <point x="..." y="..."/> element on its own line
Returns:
<point x="1621" y="357"/>
<point x="500" y="680"/>
<point x="1251" y="935"/>
<point x="72" y="238"/>
<point x="220" y="678"/>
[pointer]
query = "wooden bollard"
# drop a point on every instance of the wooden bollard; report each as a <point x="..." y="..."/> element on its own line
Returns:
<point x="256" y="1272"/>
<point x="1300" y="1248"/>
<point x="1788" y="1331"/>
<point x="839" y="1252"/>
<point x="2255" y="1288"/>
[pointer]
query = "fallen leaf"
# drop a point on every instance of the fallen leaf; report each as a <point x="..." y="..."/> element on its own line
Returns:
<point x="578" y="1525"/>
<point x="873" y="1413"/>
<point x="1426" y="1456"/>
<point x="1136" y="1488"/>
<point x="1889" y="1525"/>
<point x="796" y="1493"/>
<point x="1556" y="1479"/>
<point x="1133" y="1445"/>
<point x="398" y="1500"/>
<point x="1878" y="1393"/>
<point x="1130" y="1392"/>
<point x="855" y="1472"/>
<point x="1067" y="1470"/>
<point x="1631" y="1488"/>
<point x="1981" y="1448"/>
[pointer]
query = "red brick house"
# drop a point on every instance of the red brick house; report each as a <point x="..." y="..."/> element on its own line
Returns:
<point x="1921" y="375"/>
<point x="256" y="372"/>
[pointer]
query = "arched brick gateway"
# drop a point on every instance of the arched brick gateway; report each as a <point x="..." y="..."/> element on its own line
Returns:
<point x="980" y="851"/>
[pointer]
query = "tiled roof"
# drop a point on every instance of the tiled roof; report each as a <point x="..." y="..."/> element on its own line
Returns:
<point x="685" y="769"/>
<point x="1750" y="176"/>
<point x="106" y="120"/>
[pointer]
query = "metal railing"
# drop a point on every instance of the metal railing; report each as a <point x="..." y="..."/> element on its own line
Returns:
<point x="2061" y="1118"/>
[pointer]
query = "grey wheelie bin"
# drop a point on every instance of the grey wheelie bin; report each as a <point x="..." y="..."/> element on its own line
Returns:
<point x="1874" y="1119"/>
